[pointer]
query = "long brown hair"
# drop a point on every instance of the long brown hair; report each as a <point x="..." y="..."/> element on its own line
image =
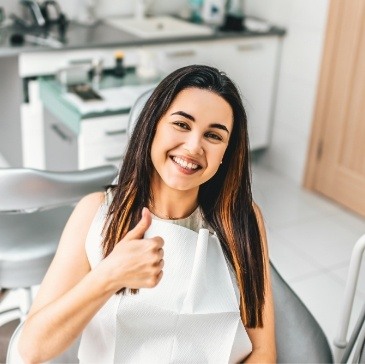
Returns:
<point x="225" y="200"/>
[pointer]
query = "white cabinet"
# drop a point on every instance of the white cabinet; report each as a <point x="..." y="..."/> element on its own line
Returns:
<point x="102" y="140"/>
<point x="250" y="62"/>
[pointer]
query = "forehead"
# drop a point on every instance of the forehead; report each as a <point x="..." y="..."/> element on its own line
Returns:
<point x="203" y="105"/>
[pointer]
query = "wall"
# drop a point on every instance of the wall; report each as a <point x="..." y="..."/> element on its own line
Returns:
<point x="122" y="7"/>
<point x="10" y="6"/>
<point x="106" y="7"/>
<point x="305" y="21"/>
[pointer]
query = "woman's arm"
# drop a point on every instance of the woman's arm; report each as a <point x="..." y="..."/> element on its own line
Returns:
<point x="263" y="339"/>
<point x="71" y="293"/>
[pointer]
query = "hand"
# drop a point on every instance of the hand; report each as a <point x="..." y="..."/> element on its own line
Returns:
<point x="136" y="262"/>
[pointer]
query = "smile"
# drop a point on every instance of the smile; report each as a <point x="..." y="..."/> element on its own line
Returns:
<point x="185" y="164"/>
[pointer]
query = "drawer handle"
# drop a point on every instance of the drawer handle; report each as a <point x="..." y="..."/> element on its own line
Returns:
<point x="113" y="159"/>
<point x="116" y="132"/>
<point x="60" y="133"/>
<point x="178" y="54"/>
<point x="249" y="47"/>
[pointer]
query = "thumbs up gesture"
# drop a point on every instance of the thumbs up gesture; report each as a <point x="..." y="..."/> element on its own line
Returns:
<point x="136" y="262"/>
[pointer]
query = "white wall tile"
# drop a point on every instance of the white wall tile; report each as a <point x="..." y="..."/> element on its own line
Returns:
<point x="276" y="11"/>
<point x="305" y="22"/>
<point x="295" y="108"/>
<point x="309" y="14"/>
<point x="302" y="54"/>
<point x="106" y="7"/>
<point x="10" y="6"/>
<point x="287" y="154"/>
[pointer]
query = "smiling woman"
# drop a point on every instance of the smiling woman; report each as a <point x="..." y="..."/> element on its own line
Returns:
<point x="171" y="263"/>
<point x="188" y="148"/>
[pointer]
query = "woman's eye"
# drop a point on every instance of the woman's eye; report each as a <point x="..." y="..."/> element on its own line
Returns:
<point x="181" y="125"/>
<point x="213" y="136"/>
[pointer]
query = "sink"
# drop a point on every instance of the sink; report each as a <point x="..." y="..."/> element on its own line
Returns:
<point x="159" y="27"/>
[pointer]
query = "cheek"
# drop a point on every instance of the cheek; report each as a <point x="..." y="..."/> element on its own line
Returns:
<point x="160" y="146"/>
<point x="216" y="159"/>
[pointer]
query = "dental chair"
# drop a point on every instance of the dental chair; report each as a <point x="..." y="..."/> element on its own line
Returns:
<point x="34" y="208"/>
<point x="299" y="338"/>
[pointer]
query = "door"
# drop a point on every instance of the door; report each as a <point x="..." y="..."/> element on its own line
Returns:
<point x="336" y="163"/>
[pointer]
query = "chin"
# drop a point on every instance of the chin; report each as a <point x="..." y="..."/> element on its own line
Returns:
<point x="181" y="186"/>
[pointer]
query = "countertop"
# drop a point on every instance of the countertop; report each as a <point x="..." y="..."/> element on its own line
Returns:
<point x="102" y="35"/>
<point x="63" y="106"/>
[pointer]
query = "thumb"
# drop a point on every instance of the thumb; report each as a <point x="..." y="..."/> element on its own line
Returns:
<point x="138" y="231"/>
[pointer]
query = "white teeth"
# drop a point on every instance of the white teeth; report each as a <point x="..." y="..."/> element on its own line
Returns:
<point x="185" y="164"/>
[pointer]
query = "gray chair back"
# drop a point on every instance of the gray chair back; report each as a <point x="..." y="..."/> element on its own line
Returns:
<point x="299" y="338"/>
<point x="136" y="110"/>
<point x="34" y="208"/>
<point x="28" y="190"/>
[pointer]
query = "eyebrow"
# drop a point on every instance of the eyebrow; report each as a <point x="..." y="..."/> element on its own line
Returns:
<point x="190" y="117"/>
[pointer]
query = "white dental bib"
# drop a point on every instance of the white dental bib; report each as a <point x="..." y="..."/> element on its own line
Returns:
<point x="191" y="316"/>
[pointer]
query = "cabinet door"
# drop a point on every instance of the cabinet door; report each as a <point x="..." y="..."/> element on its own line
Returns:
<point x="61" y="145"/>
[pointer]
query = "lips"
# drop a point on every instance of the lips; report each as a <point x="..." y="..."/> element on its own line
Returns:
<point x="186" y="163"/>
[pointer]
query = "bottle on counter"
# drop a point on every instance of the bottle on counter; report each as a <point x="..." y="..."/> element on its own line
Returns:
<point x="213" y="12"/>
<point x="147" y="65"/>
<point x="119" y="70"/>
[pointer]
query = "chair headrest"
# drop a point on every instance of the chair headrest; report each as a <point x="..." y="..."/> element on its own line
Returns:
<point x="29" y="190"/>
<point x="136" y="110"/>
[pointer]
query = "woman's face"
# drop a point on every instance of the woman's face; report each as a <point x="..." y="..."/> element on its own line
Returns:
<point x="191" y="139"/>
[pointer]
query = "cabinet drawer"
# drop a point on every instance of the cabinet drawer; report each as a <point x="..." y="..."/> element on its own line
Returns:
<point x="104" y="130"/>
<point x="96" y="155"/>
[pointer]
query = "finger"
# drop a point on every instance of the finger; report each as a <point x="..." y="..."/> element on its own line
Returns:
<point x="158" y="263"/>
<point x="160" y="253"/>
<point x="157" y="242"/>
<point x="138" y="231"/>
<point x="159" y="277"/>
<point x="161" y="264"/>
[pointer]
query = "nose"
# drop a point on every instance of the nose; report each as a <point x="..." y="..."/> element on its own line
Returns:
<point x="193" y="145"/>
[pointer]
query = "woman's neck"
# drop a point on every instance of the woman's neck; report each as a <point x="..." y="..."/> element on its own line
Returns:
<point x="172" y="204"/>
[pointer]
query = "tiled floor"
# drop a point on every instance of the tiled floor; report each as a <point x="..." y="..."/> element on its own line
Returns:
<point x="310" y="242"/>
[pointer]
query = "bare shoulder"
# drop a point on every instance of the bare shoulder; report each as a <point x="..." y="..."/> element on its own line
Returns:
<point x="88" y="206"/>
<point x="91" y="201"/>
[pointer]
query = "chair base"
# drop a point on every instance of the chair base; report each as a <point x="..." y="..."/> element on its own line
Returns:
<point x="6" y="332"/>
<point x="17" y="312"/>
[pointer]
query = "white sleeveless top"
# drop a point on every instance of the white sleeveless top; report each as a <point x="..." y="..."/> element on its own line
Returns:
<point x="191" y="316"/>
